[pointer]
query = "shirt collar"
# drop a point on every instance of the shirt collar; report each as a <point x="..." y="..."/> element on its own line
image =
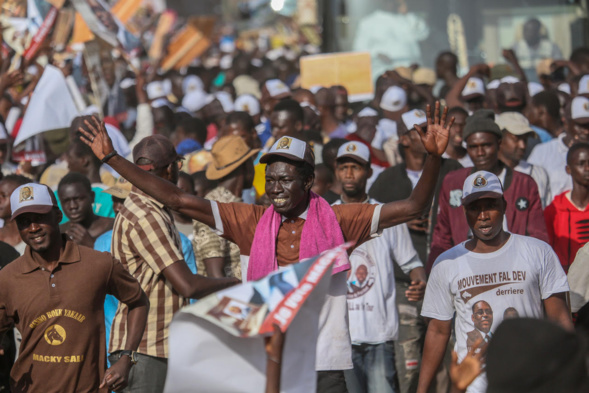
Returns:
<point x="302" y="216"/>
<point x="71" y="254"/>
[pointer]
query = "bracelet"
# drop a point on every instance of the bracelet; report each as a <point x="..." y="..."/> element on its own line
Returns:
<point x="109" y="156"/>
<point x="273" y="359"/>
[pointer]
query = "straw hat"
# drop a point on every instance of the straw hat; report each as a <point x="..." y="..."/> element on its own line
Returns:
<point x="228" y="153"/>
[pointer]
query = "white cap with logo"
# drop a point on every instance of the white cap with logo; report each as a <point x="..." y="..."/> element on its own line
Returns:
<point x="583" y="85"/>
<point x="580" y="109"/>
<point x="514" y="122"/>
<point x="394" y="99"/>
<point x="291" y="148"/>
<point x="413" y="117"/>
<point x="247" y="103"/>
<point x="474" y="87"/>
<point x="32" y="198"/>
<point x="276" y="88"/>
<point x="481" y="184"/>
<point x="355" y="150"/>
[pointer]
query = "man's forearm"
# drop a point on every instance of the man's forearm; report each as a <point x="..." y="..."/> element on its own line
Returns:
<point x="136" y="320"/>
<point x="423" y="193"/>
<point x="433" y="353"/>
<point x="203" y="286"/>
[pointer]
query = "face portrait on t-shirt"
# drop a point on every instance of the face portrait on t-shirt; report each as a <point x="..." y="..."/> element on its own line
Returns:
<point x="482" y="316"/>
<point x="361" y="279"/>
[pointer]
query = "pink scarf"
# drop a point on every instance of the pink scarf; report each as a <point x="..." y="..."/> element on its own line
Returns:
<point x="321" y="232"/>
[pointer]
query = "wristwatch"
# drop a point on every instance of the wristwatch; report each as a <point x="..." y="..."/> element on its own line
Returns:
<point x="132" y="355"/>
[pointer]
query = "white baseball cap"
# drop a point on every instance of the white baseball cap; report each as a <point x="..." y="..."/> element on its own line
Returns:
<point x="32" y="198"/>
<point x="580" y="109"/>
<point x="514" y="122"/>
<point x="583" y="85"/>
<point x="474" y="87"/>
<point x="155" y="90"/>
<point x="292" y="148"/>
<point x="534" y="88"/>
<point x="195" y="100"/>
<point x="413" y="117"/>
<point x="247" y="103"/>
<point x="565" y="88"/>
<point x="509" y="79"/>
<point x="225" y="100"/>
<point x="394" y="99"/>
<point x="159" y="102"/>
<point x="192" y="83"/>
<point x="127" y="82"/>
<point x="355" y="150"/>
<point x="368" y="112"/>
<point x="481" y="184"/>
<point x="493" y="84"/>
<point x="276" y="88"/>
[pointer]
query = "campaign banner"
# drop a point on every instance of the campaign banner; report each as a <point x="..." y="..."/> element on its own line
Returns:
<point x="97" y="16"/>
<point x="223" y="334"/>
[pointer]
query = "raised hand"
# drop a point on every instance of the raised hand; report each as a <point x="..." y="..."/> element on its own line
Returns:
<point x="464" y="373"/>
<point x="94" y="135"/>
<point x="435" y="139"/>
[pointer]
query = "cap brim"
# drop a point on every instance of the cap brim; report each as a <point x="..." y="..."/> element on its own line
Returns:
<point x="480" y="195"/>
<point x="353" y="157"/>
<point x="582" y="120"/>
<point x="522" y="132"/>
<point x="212" y="173"/>
<point x="39" y="209"/>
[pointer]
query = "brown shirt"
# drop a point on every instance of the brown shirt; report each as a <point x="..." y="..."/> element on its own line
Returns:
<point x="60" y="315"/>
<point x="239" y="221"/>
<point x="146" y="241"/>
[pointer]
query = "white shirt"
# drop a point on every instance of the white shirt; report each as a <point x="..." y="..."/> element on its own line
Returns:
<point x="540" y="176"/>
<point x="371" y="303"/>
<point x="552" y="156"/>
<point x="520" y="275"/>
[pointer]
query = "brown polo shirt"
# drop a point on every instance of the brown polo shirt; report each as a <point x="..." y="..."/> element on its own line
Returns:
<point x="238" y="221"/>
<point x="60" y="315"/>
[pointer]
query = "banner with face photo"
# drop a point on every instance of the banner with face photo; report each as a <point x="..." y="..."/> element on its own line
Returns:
<point x="223" y="334"/>
<point x="97" y="15"/>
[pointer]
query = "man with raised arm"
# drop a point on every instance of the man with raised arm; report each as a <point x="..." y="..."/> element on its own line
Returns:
<point x="299" y="224"/>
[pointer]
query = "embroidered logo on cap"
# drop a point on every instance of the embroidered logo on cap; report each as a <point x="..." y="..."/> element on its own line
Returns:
<point x="397" y="103"/>
<point x="586" y="106"/>
<point x="419" y="114"/>
<point x="479" y="181"/>
<point x="284" y="143"/>
<point x="351" y="148"/>
<point x="26" y="194"/>
<point x="472" y="84"/>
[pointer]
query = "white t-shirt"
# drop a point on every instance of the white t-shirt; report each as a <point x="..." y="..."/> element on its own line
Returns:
<point x="552" y="156"/>
<point x="513" y="280"/>
<point x="371" y="299"/>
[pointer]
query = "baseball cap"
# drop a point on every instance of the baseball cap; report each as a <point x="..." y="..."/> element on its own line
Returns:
<point x="514" y="122"/>
<point x="481" y="184"/>
<point x="194" y="100"/>
<point x="276" y="88"/>
<point x="474" y="88"/>
<point x="292" y="148"/>
<point x="424" y="76"/>
<point x="355" y="150"/>
<point x="413" y="117"/>
<point x="247" y="103"/>
<point x="493" y="84"/>
<point x="534" y="88"/>
<point x="394" y="99"/>
<point x="580" y="110"/>
<point x="121" y="188"/>
<point x="565" y="88"/>
<point x="127" y="83"/>
<point x="583" y="85"/>
<point x="510" y="79"/>
<point x="32" y="198"/>
<point x="155" y="90"/>
<point x="192" y="83"/>
<point x="157" y="149"/>
<point x="368" y="112"/>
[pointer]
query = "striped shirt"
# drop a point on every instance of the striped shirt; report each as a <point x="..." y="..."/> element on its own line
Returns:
<point x="146" y="242"/>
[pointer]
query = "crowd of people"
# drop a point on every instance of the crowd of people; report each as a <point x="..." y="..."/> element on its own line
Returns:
<point x="466" y="198"/>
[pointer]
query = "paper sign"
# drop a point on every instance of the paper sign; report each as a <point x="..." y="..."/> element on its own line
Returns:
<point x="164" y="25"/>
<point x="221" y="335"/>
<point x="351" y="70"/>
<point x="125" y="9"/>
<point x="183" y="44"/>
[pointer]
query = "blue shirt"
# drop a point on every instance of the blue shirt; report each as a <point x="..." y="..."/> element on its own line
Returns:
<point x="544" y="135"/>
<point x="103" y="243"/>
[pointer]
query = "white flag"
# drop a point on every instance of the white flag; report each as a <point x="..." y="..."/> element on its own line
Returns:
<point x="51" y="106"/>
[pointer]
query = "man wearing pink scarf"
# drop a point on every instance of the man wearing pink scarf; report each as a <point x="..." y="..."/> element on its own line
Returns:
<point x="299" y="224"/>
